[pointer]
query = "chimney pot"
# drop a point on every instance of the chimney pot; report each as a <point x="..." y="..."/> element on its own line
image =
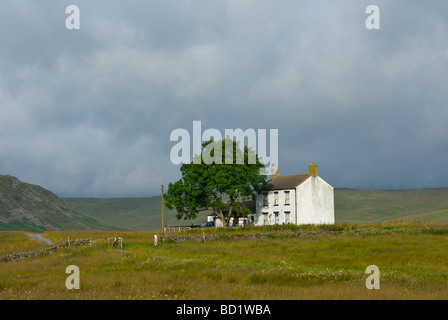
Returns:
<point x="313" y="170"/>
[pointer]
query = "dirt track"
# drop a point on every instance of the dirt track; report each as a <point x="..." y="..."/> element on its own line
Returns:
<point x="39" y="237"/>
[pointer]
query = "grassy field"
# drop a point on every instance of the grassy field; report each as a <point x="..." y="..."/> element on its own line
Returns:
<point x="327" y="264"/>
<point x="17" y="241"/>
<point x="351" y="206"/>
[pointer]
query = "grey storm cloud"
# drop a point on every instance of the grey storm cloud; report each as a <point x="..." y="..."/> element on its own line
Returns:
<point x="89" y="112"/>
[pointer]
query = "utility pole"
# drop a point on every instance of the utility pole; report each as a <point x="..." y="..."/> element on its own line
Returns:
<point x="163" y="222"/>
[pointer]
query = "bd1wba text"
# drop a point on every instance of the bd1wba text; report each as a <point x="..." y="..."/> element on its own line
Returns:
<point x="225" y="309"/>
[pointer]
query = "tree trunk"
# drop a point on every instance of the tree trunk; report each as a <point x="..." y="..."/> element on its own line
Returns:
<point x="225" y="222"/>
<point x="230" y="214"/>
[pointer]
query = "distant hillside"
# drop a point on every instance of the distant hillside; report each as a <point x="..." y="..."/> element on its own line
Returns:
<point x="363" y="206"/>
<point x="29" y="207"/>
<point x="138" y="214"/>
<point x="351" y="206"/>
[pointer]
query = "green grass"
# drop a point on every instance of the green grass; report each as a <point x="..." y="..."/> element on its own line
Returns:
<point x="16" y="241"/>
<point x="325" y="265"/>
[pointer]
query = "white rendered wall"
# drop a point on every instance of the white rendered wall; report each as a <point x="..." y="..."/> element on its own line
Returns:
<point x="315" y="202"/>
<point x="280" y="208"/>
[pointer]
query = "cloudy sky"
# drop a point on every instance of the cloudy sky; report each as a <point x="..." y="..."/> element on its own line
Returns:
<point x="89" y="112"/>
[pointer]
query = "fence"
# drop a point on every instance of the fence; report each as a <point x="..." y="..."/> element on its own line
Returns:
<point x="117" y="241"/>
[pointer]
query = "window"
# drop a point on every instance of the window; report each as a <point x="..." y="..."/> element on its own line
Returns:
<point x="265" y="218"/>
<point x="275" y="198"/>
<point x="287" y="198"/>
<point x="276" y="217"/>
<point x="265" y="199"/>
<point x="287" y="217"/>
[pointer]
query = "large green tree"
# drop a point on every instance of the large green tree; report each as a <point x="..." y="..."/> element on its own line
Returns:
<point x="222" y="174"/>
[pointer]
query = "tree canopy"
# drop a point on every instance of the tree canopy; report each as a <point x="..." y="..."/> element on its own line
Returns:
<point x="223" y="175"/>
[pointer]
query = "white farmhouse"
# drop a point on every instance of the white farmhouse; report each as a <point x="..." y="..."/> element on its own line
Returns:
<point x="295" y="199"/>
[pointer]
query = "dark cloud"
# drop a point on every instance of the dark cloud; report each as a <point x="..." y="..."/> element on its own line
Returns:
<point x="90" y="112"/>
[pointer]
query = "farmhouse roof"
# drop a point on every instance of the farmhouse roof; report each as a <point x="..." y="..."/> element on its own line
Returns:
<point x="286" y="182"/>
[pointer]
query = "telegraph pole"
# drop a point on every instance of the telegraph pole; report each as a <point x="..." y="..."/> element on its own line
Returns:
<point x="163" y="223"/>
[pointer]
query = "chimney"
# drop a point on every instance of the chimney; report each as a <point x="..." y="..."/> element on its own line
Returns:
<point x="275" y="172"/>
<point x="313" y="170"/>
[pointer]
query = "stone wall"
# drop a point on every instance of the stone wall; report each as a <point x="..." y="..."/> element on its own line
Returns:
<point x="301" y="234"/>
<point x="65" y="244"/>
<point x="213" y="237"/>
